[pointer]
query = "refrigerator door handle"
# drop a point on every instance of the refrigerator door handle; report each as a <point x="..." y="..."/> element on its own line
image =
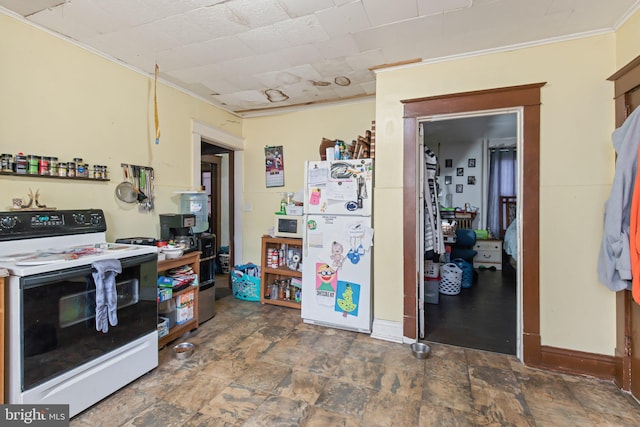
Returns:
<point x="305" y="240"/>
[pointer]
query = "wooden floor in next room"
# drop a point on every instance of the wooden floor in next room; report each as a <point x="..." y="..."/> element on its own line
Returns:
<point x="481" y="317"/>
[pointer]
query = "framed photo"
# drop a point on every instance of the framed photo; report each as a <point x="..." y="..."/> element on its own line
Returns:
<point x="460" y="171"/>
<point x="458" y="188"/>
<point x="447" y="179"/>
<point x="448" y="163"/>
<point x="471" y="180"/>
<point x="472" y="163"/>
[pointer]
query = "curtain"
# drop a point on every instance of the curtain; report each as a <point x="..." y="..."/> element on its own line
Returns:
<point x="502" y="182"/>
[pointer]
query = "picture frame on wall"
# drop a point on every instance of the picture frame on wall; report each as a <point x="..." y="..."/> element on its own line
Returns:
<point x="448" y="163"/>
<point x="460" y="171"/>
<point x="472" y="163"/>
<point x="447" y="179"/>
<point x="471" y="180"/>
<point x="459" y="188"/>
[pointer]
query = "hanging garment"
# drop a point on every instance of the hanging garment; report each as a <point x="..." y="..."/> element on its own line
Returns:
<point x="104" y="276"/>
<point x="634" y="226"/>
<point x="614" y="261"/>
<point x="433" y="237"/>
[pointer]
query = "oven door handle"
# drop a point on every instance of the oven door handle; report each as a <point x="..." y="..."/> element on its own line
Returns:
<point x="85" y="270"/>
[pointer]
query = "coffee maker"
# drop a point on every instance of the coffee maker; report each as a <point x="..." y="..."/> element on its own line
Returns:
<point x="179" y="228"/>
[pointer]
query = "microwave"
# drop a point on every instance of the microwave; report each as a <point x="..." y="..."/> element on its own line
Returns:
<point x="288" y="226"/>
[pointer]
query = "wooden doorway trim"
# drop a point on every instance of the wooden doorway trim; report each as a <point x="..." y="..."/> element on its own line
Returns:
<point x="527" y="97"/>
<point x="627" y="357"/>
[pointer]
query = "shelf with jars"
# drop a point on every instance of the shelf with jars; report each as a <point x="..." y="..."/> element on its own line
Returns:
<point x="33" y="166"/>
<point x="281" y="272"/>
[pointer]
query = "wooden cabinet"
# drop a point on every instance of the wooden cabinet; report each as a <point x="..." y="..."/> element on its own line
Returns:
<point x="489" y="254"/>
<point x="285" y="272"/>
<point x="191" y="259"/>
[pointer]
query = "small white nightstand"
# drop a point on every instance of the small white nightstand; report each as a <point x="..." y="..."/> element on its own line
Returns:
<point x="489" y="254"/>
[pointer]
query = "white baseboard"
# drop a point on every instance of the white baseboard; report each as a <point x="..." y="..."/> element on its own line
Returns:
<point x="387" y="330"/>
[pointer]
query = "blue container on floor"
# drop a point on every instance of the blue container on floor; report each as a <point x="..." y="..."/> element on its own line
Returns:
<point x="467" y="272"/>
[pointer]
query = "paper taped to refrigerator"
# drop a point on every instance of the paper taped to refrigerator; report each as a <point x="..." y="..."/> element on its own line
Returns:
<point x="342" y="189"/>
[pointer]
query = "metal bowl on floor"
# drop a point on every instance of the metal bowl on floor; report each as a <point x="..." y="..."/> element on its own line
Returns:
<point x="184" y="350"/>
<point x="420" y="350"/>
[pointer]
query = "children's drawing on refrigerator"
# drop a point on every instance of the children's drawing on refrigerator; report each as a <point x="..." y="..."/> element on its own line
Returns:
<point x="326" y="284"/>
<point x="348" y="298"/>
<point x="337" y="254"/>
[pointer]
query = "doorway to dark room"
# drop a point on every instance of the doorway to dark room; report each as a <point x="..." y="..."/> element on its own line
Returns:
<point x="475" y="173"/>
<point x="216" y="169"/>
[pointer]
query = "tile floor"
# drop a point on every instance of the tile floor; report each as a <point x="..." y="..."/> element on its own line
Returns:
<point x="259" y="365"/>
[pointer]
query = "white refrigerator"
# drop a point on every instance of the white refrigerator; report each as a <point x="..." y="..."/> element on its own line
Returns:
<point x="338" y="244"/>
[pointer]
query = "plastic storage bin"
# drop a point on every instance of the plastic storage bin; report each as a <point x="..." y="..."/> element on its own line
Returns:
<point x="168" y="310"/>
<point x="163" y="326"/>
<point x="431" y="269"/>
<point x="431" y="290"/>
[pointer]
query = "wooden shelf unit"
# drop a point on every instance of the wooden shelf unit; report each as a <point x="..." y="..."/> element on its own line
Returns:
<point x="193" y="260"/>
<point x="268" y="275"/>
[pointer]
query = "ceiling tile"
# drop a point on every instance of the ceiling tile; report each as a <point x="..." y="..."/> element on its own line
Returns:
<point x="257" y="64"/>
<point x="214" y="51"/>
<point x="265" y="39"/>
<point x="299" y="55"/>
<point x="288" y="76"/>
<point x="297" y="8"/>
<point x="337" y="47"/>
<point x="420" y="30"/>
<point x="341" y="2"/>
<point x="382" y="12"/>
<point x="132" y="12"/>
<point x="80" y="20"/>
<point x="349" y="91"/>
<point x="178" y="27"/>
<point x="366" y="59"/>
<point x="431" y="7"/>
<point x="218" y="20"/>
<point x="192" y="75"/>
<point x="26" y="8"/>
<point x="218" y="86"/>
<point x="303" y="30"/>
<point x="369" y="87"/>
<point x="173" y="7"/>
<point x="257" y="13"/>
<point x="333" y="67"/>
<point x="342" y="20"/>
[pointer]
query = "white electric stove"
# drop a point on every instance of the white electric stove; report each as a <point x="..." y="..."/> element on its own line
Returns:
<point x="55" y="352"/>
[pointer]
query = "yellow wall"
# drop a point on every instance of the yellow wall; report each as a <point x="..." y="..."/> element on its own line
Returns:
<point x="628" y="41"/>
<point x="60" y="100"/>
<point x="300" y="134"/>
<point x="576" y="117"/>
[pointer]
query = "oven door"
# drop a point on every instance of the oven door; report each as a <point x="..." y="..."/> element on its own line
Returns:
<point x="57" y="317"/>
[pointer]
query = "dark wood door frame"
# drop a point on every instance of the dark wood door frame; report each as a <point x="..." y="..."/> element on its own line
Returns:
<point x="626" y="88"/>
<point x="527" y="97"/>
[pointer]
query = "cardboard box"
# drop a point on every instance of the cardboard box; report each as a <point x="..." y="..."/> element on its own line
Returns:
<point x="185" y="298"/>
<point x="164" y="294"/>
<point x="184" y="313"/>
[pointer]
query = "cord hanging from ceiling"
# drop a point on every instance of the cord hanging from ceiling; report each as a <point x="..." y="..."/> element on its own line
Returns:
<point x="155" y="105"/>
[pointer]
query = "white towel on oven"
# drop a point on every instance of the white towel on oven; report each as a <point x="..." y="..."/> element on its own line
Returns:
<point x="104" y="276"/>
